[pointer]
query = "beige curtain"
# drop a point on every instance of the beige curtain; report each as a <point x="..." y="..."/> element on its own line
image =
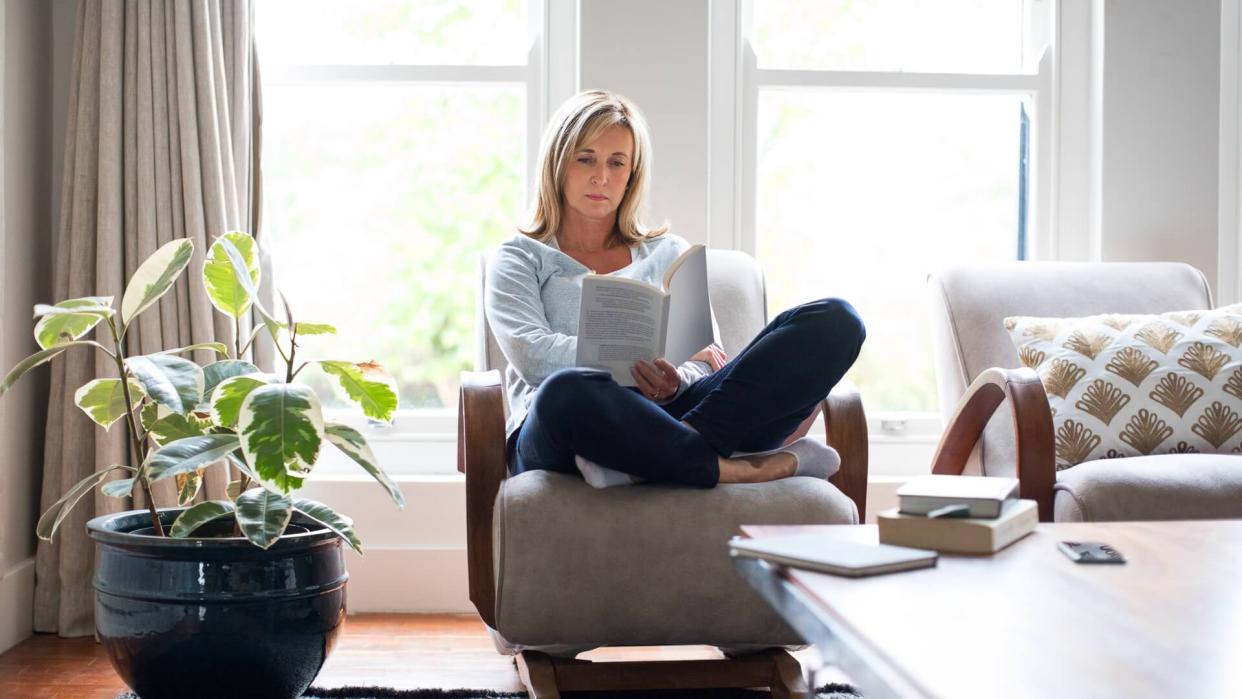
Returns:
<point x="160" y="144"/>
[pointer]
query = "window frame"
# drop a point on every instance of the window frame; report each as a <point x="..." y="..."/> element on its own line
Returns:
<point x="418" y="438"/>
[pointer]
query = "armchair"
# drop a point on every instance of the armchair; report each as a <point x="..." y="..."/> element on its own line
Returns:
<point x="968" y="305"/>
<point x="557" y="567"/>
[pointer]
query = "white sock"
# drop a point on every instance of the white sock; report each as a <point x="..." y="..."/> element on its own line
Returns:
<point x="814" y="458"/>
<point x="600" y="477"/>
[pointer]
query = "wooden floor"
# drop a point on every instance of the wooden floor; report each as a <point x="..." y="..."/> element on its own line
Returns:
<point x="393" y="650"/>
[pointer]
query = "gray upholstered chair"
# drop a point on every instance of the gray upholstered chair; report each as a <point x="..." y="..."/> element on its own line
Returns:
<point x="968" y="305"/>
<point x="558" y="567"/>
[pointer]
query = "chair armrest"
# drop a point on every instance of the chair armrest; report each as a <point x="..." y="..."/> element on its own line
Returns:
<point x="845" y="429"/>
<point x="481" y="456"/>
<point x="1032" y="423"/>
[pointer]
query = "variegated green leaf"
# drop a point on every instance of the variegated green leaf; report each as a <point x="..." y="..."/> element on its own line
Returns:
<point x="241" y="273"/>
<point x="241" y="465"/>
<point x="154" y="277"/>
<point x="171" y="381"/>
<point x="195" y="517"/>
<point x="217" y="347"/>
<point x="227" y="399"/>
<point x="120" y="488"/>
<point x="263" y="515"/>
<point x="188" y="454"/>
<point x="103" y="400"/>
<point x="34" y="360"/>
<point x="93" y="304"/>
<point x="355" y="446"/>
<point x="228" y="295"/>
<point x="188" y="485"/>
<point x="151" y="413"/>
<point x="216" y="372"/>
<point x="233" y="489"/>
<point x="57" y="513"/>
<point x="281" y="429"/>
<point x="338" y="523"/>
<point x="368" y="385"/>
<point x="314" y="329"/>
<point x="70" y="320"/>
<point x="172" y="427"/>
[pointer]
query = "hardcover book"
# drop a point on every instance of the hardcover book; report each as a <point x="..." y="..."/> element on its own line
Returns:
<point x="960" y="534"/>
<point x="981" y="495"/>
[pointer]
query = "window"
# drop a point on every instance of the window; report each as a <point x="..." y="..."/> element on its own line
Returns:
<point x="890" y="136"/>
<point x="395" y="146"/>
<point x="397" y="140"/>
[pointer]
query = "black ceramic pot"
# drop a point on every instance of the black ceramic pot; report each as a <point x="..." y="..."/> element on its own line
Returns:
<point x="214" y="618"/>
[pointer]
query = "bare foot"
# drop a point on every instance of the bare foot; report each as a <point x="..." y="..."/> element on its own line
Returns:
<point x="758" y="469"/>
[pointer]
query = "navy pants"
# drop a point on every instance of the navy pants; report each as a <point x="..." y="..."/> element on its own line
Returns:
<point x="753" y="403"/>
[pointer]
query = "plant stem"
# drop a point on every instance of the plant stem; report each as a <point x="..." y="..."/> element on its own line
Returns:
<point x="135" y="443"/>
<point x="244" y="483"/>
<point x="254" y="334"/>
<point x="293" y="351"/>
<point x="103" y="349"/>
<point x="237" y="342"/>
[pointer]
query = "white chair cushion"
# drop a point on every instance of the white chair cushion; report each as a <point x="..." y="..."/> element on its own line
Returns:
<point x="1165" y="487"/>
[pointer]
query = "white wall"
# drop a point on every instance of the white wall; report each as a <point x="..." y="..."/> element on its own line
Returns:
<point x="655" y="52"/>
<point x="1229" y="245"/>
<point x="25" y="256"/>
<point x="1161" y="87"/>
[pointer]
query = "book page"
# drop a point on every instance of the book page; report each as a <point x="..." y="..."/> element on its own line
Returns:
<point x="689" y="312"/>
<point x="619" y="323"/>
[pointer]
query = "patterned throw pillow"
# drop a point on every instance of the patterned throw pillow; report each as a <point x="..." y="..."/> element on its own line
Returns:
<point x="1130" y="385"/>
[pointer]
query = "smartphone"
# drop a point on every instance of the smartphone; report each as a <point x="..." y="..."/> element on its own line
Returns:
<point x="1090" y="552"/>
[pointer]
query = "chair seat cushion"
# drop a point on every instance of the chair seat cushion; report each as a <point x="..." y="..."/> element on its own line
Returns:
<point x="1164" y="487"/>
<point x="639" y="565"/>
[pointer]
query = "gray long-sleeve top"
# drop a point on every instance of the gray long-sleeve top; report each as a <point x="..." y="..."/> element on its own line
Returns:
<point x="532" y="300"/>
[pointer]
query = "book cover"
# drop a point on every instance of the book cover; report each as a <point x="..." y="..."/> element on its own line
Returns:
<point x="824" y="554"/>
<point x="960" y="534"/>
<point x="982" y="494"/>
<point x="623" y="320"/>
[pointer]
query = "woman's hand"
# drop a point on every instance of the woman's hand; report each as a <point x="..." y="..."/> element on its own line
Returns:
<point x="658" y="381"/>
<point x="713" y="355"/>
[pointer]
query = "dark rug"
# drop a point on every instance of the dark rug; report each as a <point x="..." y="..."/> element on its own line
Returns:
<point x="830" y="691"/>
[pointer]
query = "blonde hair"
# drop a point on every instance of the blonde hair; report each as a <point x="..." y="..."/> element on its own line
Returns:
<point x="579" y="121"/>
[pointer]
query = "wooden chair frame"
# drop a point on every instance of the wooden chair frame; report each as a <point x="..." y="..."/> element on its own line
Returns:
<point x="481" y="457"/>
<point x="1032" y="426"/>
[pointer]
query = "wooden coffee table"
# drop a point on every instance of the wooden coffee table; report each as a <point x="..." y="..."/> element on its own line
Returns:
<point x="1027" y="621"/>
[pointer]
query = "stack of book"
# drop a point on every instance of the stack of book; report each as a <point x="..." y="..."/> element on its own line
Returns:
<point x="958" y="514"/>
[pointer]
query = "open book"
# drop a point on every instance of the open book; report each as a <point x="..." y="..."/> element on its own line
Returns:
<point x="623" y="320"/>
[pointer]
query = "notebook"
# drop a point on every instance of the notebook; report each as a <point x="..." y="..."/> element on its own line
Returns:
<point x="825" y="554"/>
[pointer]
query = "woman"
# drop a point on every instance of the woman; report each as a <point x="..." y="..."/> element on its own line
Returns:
<point x="703" y="423"/>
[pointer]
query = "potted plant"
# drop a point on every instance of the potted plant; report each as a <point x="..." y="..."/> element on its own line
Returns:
<point x="242" y="596"/>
